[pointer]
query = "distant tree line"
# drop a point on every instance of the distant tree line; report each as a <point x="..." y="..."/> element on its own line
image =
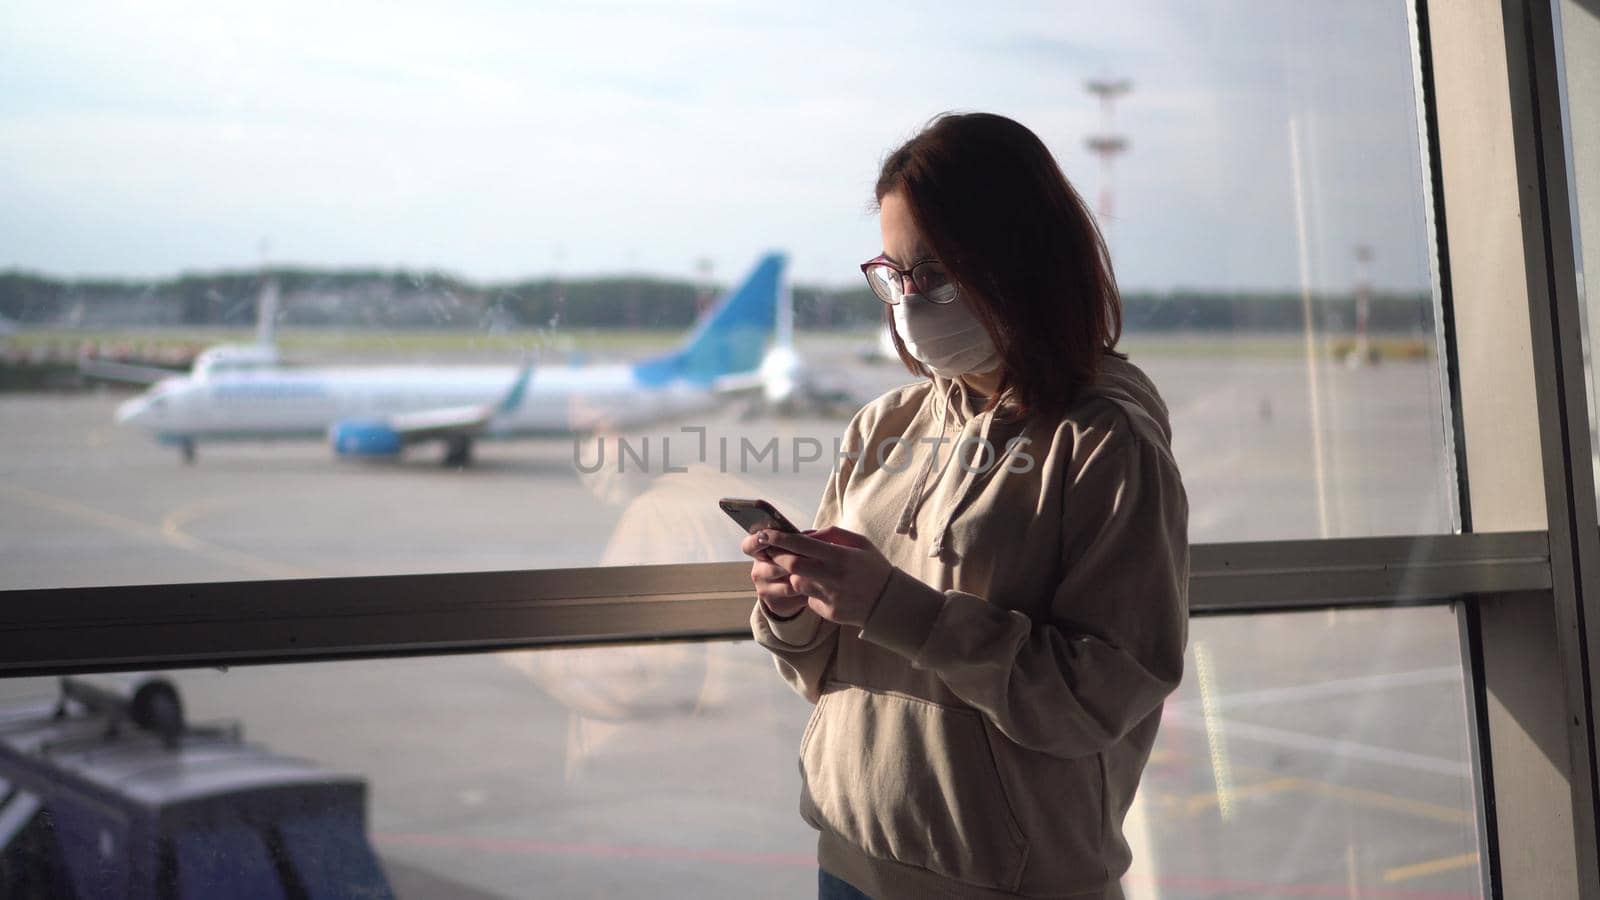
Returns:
<point x="372" y="298"/>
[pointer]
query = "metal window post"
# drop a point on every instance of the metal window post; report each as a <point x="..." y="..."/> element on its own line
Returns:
<point x="1524" y="420"/>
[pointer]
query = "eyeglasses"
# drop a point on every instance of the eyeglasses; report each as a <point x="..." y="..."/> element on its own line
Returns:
<point x="929" y="276"/>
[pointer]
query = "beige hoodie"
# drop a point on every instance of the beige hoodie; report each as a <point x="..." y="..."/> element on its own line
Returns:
<point x="983" y="734"/>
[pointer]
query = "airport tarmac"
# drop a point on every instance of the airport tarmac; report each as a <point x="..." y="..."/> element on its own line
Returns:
<point x="1260" y="462"/>
<point x="1326" y="757"/>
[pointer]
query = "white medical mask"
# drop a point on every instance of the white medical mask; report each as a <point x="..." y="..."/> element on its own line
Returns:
<point x="945" y="337"/>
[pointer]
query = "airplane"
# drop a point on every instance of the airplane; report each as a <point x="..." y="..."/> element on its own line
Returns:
<point x="246" y="392"/>
<point x="263" y="354"/>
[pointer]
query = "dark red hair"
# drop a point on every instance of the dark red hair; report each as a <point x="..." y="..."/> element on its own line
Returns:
<point x="1022" y="246"/>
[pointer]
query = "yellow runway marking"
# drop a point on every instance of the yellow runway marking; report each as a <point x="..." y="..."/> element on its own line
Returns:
<point x="1385" y="800"/>
<point x="170" y="532"/>
<point x="109" y="521"/>
<point x="1195" y="804"/>
<point x="1198" y="803"/>
<point x="1429" y="867"/>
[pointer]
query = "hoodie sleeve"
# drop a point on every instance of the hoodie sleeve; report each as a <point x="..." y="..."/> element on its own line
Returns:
<point x="804" y="646"/>
<point x="1111" y="648"/>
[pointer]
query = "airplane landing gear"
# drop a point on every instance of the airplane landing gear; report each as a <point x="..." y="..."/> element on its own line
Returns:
<point x="186" y="448"/>
<point x="458" y="451"/>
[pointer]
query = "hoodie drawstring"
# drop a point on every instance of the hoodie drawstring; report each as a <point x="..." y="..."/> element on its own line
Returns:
<point x="913" y="504"/>
<point x="967" y="481"/>
<point x="908" y="513"/>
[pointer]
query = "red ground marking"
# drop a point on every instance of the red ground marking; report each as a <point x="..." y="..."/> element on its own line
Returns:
<point x="809" y="860"/>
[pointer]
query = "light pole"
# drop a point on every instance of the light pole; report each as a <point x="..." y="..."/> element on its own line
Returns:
<point x="1362" y="353"/>
<point x="1108" y="144"/>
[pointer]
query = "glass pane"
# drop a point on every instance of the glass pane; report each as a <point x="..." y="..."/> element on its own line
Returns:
<point x="1305" y="754"/>
<point x="618" y="772"/>
<point x="425" y="207"/>
<point x="1315" y="754"/>
<point x="1580" y="85"/>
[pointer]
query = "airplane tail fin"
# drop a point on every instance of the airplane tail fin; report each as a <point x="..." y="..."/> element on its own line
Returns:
<point x="267" y="312"/>
<point x="732" y="338"/>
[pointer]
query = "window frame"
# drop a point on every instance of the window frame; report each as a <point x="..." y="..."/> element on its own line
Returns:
<point x="1495" y="138"/>
<point x="65" y="630"/>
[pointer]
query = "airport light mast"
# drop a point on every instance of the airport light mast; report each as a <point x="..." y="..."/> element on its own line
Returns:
<point x="1108" y="144"/>
<point x="705" y="293"/>
<point x="1362" y="352"/>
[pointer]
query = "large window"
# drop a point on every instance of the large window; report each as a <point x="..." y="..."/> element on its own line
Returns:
<point x="425" y="206"/>
<point x="1285" y="764"/>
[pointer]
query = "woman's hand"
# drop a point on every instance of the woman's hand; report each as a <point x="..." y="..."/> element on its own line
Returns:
<point x="771" y="580"/>
<point x="838" y="572"/>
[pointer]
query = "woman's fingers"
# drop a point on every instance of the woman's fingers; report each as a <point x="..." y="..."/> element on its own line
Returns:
<point x="772" y="585"/>
<point x="805" y="575"/>
<point x="795" y="564"/>
<point x="751" y="547"/>
<point x="794" y="567"/>
<point x="804" y="586"/>
<point x="781" y="559"/>
<point x="802" y="544"/>
<point x="778" y="594"/>
<point x="842" y="537"/>
<point x="775" y="592"/>
<point x="766" y="571"/>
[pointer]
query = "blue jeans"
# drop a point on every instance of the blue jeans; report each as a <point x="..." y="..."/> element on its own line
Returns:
<point x="832" y="887"/>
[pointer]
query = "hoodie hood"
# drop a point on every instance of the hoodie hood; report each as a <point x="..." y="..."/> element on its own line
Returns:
<point x="1126" y="385"/>
<point x="954" y="403"/>
<point x="1119" y="381"/>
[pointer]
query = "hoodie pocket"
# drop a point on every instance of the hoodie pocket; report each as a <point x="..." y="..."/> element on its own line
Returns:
<point x="910" y="781"/>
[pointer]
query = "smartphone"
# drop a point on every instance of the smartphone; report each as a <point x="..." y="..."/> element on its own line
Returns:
<point x="753" y="515"/>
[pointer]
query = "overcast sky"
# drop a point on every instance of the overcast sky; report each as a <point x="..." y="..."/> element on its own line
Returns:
<point x="509" y="139"/>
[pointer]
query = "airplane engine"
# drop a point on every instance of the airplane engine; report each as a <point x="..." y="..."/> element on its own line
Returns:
<point x="365" y="437"/>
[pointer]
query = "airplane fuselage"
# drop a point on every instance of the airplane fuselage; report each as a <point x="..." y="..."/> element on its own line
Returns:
<point x="294" y="402"/>
<point x="244" y="392"/>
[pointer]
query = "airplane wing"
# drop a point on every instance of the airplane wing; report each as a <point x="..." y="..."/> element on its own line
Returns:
<point x="126" y="372"/>
<point x="455" y="424"/>
<point x="443" y="422"/>
<point x="465" y="421"/>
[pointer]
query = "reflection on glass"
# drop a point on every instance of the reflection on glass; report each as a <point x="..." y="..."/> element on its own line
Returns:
<point x="1315" y="754"/>
<point x="460" y="248"/>
<point x="1580" y="84"/>
<point x="618" y="772"/>
<point x="1305" y="755"/>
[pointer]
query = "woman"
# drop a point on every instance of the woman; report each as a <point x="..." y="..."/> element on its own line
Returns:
<point x="988" y="641"/>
